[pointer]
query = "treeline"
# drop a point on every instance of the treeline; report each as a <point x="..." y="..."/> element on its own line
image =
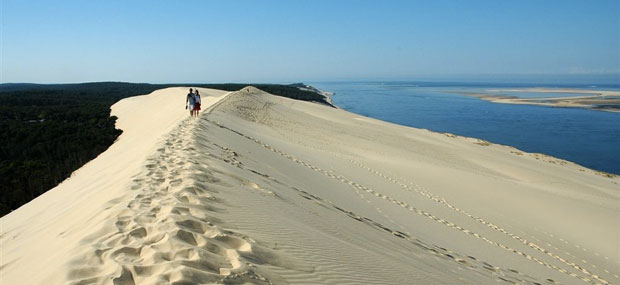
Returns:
<point x="49" y="131"/>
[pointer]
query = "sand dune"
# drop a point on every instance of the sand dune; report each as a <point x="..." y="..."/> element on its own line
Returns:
<point x="266" y="190"/>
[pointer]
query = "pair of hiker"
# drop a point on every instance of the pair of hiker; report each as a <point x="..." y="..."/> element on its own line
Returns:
<point x="192" y="102"/>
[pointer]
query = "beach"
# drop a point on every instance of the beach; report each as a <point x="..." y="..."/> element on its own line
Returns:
<point x="268" y="190"/>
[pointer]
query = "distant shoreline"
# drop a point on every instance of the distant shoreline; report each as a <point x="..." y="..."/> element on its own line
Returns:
<point x="608" y="101"/>
<point x="325" y="94"/>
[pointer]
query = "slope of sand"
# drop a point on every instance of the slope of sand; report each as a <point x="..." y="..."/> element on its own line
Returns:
<point x="263" y="189"/>
<point x="40" y="237"/>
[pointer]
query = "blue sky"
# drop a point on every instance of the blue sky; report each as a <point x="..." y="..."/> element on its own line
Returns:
<point x="289" y="41"/>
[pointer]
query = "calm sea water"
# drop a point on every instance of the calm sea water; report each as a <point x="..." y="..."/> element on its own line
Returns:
<point x="586" y="137"/>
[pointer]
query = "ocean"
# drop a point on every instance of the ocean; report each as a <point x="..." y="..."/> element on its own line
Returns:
<point x="586" y="137"/>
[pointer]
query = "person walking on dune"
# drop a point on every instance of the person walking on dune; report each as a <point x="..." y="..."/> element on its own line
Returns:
<point x="197" y="103"/>
<point x="190" y="100"/>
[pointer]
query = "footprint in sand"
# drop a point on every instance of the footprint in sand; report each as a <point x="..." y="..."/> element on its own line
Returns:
<point x="166" y="233"/>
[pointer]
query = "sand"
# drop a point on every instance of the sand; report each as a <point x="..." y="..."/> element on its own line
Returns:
<point x="599" y="100"/>
<point x="263" y="189"/>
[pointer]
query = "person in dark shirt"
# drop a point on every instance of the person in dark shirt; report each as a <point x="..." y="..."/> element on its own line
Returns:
<point x="190" y="101"/>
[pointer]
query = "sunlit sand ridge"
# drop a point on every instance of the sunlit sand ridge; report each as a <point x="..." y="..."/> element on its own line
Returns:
<point x="267" y="190"/>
